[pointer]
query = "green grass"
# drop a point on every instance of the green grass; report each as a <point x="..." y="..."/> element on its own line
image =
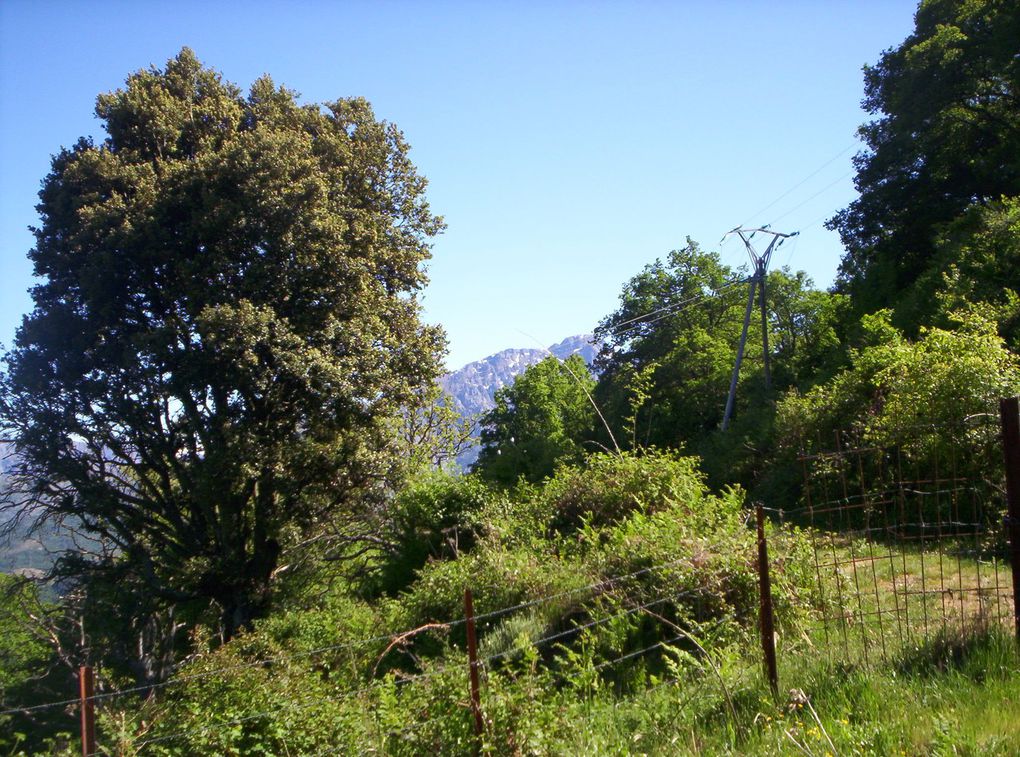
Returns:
<point x="875" y="600"/>
<point x="948" y="696"/>
<point x="935" y="672"/>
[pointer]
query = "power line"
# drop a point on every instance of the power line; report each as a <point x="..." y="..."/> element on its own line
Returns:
<point x="673" y="307"/>
<point x="824" y="189"/>
<point x="803" y="181"/>
<point x="793" y="249"/>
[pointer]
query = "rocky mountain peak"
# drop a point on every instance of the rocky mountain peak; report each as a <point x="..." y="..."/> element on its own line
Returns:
<point x="472" y="387"/>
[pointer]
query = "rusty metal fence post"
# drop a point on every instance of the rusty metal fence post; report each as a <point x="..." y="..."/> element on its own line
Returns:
<point x="1009" y="410"/>
<point x="86" y="697"/>
<point x="472" y="641"/>
<point x="767" y="621"/>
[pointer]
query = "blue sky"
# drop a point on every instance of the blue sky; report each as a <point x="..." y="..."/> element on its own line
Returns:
<point x="567" y="144"/>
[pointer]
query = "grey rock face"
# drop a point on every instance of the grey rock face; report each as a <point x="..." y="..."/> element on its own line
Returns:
<point x="472" y="387"/>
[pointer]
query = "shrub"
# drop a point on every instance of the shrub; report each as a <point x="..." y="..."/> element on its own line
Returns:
<point x="432" y="518"/>
<point x="610" y="487"/>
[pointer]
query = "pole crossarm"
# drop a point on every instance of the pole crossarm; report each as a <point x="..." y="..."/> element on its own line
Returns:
<point x="759" y="262"/>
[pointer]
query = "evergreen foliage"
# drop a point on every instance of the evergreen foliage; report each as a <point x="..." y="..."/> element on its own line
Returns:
<point x="946" y="137"/>
<point x="225" y="328"/>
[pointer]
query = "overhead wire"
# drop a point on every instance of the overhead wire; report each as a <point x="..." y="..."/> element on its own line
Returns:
<point x="803" y="181"/>
<point x="642" y="319"/>
<point x="797" y="186"/>
<point x="793" y="249"/>
<point x="821" y="191"/>
<point x="668" y="310"/>
<point x="660" y="313"/>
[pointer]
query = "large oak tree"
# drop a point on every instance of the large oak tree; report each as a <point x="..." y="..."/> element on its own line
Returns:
<point x="225" y="327"/>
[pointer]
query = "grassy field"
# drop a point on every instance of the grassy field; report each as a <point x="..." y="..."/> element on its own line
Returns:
<point x="914" y="655"/>
<point x="949" y="696"/>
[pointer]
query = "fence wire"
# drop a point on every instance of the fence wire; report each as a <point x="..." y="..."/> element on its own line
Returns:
<point x="909" y="545"/>
<point x="907" y="533"/>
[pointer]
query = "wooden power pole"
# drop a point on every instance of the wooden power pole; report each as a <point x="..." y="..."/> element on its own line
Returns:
<point x="760" y="263"/>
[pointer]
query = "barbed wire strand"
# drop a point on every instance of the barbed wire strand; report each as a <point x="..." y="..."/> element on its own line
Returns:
<point x="346" y="696"/>
<point x="602" y="583"/>
<point x="539" y="642"/>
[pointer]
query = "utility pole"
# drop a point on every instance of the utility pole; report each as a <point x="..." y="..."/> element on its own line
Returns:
<point x="760" y="264"/>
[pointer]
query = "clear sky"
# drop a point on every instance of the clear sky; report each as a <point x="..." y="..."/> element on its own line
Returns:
<point x="567" y="144"/>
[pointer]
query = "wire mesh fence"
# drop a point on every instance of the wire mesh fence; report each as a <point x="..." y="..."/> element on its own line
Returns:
<point x="909" y="538"/>
<point x="907" y="530"/>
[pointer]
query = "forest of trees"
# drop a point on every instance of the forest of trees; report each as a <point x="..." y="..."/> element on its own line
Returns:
<point x="226" y="396"/>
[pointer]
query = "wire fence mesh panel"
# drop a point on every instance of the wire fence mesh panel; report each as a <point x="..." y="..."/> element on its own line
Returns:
<point x="907" y="532"/>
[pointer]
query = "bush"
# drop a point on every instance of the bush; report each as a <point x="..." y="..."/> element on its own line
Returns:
<point x="610" y="487"/>
<point x="649" y="514"/>
<point x="921" y="407"/>
<point x="647" y="555"/>
<point x="432" y="518"/>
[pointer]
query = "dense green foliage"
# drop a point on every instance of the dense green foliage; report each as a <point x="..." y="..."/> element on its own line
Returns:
<point x="947" y="138"/>
<point x="670" y="347"/>
<point x="31" y="672"/>
<point x="225" y="380"/>
<point x="895" y="387"/>
<point x="661" y="542"/>
<point x="541" y="419"/>
<point x="225" y="328"/>
<point x="947" y="697"/>
<point x="921" y="407"/>
<point x="976" y="266"/>
<point x="664" y="372"/>
<point x="435" y="516"/>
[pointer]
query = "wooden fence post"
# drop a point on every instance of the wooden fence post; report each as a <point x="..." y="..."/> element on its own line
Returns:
<point x="472" y="641"/>
<point x="86" y="696"/>
<point x="1009" y="411"/>
<point x="767" y="622"/>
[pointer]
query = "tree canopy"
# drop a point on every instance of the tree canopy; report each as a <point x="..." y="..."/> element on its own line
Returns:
<point x="543" y="418"/>
<point x="225" y="331"/>
<point x="665" y="366"/>
<point x="946" y="137"/>
<point x="671" y="344"/>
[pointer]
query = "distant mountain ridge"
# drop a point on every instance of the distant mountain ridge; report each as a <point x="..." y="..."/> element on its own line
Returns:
<point x="472" y="387"/>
